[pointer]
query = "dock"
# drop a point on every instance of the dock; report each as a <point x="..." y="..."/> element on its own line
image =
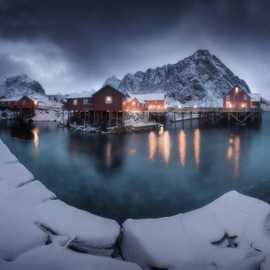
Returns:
<point x="218" y="115"/>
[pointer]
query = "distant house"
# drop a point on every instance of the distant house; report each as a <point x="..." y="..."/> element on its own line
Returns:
<point x="19" y="103"/>
<point x="146" y="102"/>
<point x="237" y="98"/>
<point x="133" y="104"/>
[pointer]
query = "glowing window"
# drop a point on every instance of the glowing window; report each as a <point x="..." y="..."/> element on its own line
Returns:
<point x="236" y="90"/>
<point x="75" y="102"/>
<point x="108" y="100"/>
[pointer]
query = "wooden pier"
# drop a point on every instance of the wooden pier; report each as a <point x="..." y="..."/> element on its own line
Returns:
<point x="219" y="115"/>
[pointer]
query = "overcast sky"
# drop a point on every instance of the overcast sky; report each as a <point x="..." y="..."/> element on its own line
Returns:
<point x="74" y="46"/>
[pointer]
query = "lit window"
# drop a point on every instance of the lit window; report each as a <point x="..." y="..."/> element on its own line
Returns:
<point x="236" y="90"/>
<point x="108" y="100"/>
<point x="75" y="102"/>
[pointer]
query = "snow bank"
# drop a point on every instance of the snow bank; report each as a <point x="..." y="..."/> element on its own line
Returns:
<point x="194" y="240"/>
<point x="89" y="232"/>
<point x="54" y="257"/>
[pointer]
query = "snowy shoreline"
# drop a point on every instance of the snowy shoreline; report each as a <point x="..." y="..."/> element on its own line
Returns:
<point x="38" y="231"/>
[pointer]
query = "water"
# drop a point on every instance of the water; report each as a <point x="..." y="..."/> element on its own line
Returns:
<point x="150" y="174"/>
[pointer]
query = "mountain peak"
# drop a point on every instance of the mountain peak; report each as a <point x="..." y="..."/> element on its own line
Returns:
<point x="20" y="85"/>
<point x="199" y="77"/>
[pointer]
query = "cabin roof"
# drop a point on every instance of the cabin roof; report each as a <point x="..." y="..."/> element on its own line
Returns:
<point x="108" y="87"/>
<point x="84" y="94"/>
<point x="147" y="97"/>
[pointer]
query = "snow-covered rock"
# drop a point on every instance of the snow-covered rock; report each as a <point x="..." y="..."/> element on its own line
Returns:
<point x="192" y="239"/>
<point x="201" y="77"/>
<point x="88" y="232"/>
<point x="54" y="257"/>
<point x="20" y="85"/>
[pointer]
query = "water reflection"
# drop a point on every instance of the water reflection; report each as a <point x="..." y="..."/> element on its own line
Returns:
<point x="197" y="146"/>
<point x="35" y="132"/>
<point x="234" y="153"/>
<point x="152" y="145"/>
<point x="182" y="147"/>
<point x="107" y="152"/>
<point x="164" y="144"/>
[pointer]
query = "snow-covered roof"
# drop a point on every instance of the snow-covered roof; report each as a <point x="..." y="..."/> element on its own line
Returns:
<point x="255" y="97"/>
<point x="84" y="94"/>
<point x="148" y="97"/>
<point x="9" y="99"/>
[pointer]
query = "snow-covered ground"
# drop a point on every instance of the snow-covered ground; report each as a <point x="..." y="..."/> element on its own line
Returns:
<point x="40" y="232"/>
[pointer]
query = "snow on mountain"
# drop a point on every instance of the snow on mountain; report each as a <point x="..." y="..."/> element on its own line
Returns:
<point x="20" y="85"/>
<point x="200" y="78"/>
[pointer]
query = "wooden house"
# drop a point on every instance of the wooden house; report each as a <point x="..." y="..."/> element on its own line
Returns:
<point x="237" y="98"/>
<point x="78" y="103"/>
<point x="133" y="104"/>
<point x="19" y="103"/>
<point x="146" y="103"/>
<point x="108" y="105"/>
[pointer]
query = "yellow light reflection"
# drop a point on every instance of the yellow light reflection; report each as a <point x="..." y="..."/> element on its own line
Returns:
<point x="152" y="145"/>
<point x="182" y="147"/>
<point x="35" y="132"/>
<point x="197" y="146"/>
<point x="165" y="146"/>
<point x="132" y="151"/>
<point x="161" y="130"/>
<point x="234" y="153"/>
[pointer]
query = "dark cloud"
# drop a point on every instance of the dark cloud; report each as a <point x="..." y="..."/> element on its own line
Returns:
<point x="91" y="40"/>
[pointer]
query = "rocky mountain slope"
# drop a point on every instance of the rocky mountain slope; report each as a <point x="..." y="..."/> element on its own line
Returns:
<point x="201" y="77"/>
<point x="19" y="86"/>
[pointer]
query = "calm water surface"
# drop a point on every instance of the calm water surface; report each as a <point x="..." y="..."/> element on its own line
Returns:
<point x="150" y="174"/>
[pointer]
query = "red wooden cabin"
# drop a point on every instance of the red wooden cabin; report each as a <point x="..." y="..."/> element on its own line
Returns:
<point x="78" y="104"/>
<point x="24" y="103"/>
<point x="108" y="105"/>
<point x="133" y="105"/>
<point x="237" y="98"/>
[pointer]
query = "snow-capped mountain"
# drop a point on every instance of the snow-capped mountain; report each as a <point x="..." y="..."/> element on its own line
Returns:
<point x="20" y="85"/>
<point x="200" y="78"/>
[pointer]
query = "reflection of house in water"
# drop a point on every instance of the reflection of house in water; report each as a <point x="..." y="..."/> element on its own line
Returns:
<point x="197" y="146"/>
<point x="234" y="152"/>
<point x="182" y="147"/>
<point x="107" y="152"/>
<point x="159" y="143"/>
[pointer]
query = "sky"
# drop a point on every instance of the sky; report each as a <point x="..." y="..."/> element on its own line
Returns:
<point x="72" y="46"/>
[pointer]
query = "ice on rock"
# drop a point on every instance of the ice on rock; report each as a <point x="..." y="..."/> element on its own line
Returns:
<point x="176" y="242"/>
<point x="54" y="257"/>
